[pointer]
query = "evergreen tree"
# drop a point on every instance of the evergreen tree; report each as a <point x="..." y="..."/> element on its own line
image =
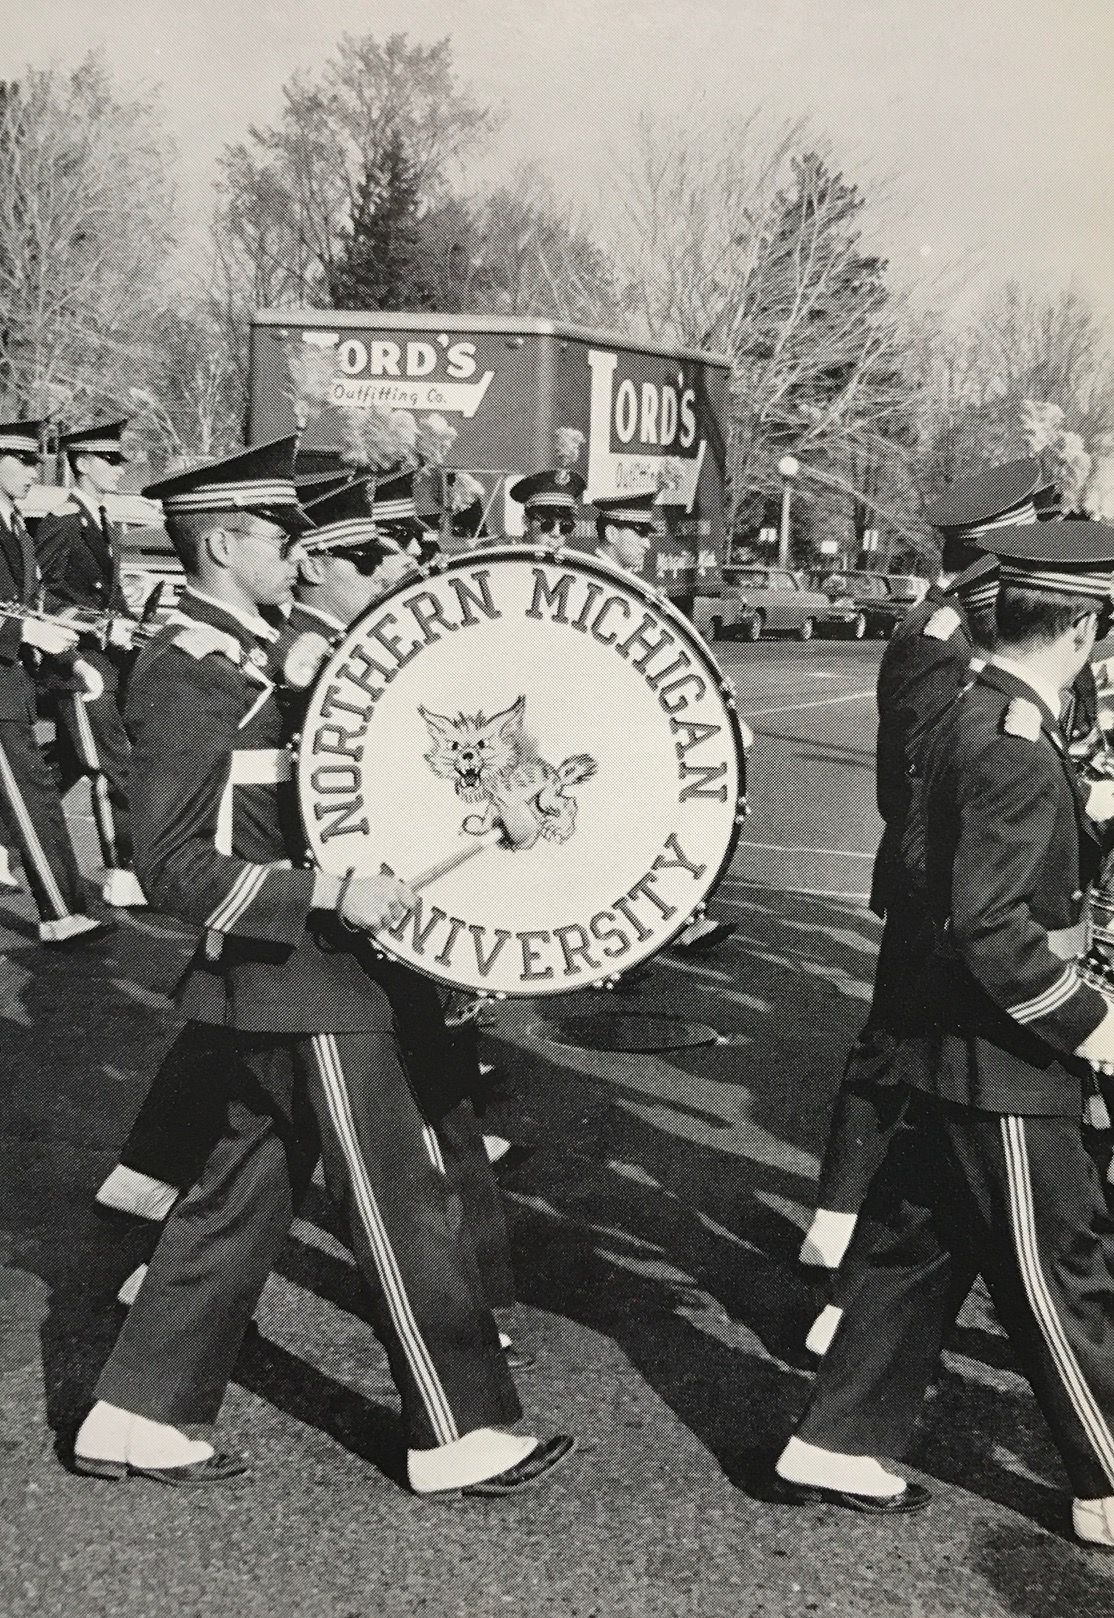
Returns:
<point x="380" y="264"/>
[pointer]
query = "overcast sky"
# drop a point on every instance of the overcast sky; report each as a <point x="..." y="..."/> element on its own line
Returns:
<point x="996" y="117"/>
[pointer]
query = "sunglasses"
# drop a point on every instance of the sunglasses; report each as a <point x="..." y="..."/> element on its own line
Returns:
<point x="560" y="525"/>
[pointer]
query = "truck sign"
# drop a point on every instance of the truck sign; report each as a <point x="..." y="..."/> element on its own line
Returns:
<point x="652" y="416"/>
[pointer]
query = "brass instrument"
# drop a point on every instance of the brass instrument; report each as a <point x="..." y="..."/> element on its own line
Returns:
<point x="85" y="622"/>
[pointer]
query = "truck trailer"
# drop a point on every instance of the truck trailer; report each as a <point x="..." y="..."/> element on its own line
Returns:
<point x="652" y="416"/>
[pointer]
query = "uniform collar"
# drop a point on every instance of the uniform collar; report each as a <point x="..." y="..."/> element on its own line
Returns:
<point x="195" y="603"/>
<point x="79" y="497"/>
<point x="1049" y="696"/>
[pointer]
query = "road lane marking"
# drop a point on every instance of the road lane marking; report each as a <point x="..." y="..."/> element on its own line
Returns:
<point x="799" y="707"/>
<point x="861" y="899"/>
<point x="807" y="848"/>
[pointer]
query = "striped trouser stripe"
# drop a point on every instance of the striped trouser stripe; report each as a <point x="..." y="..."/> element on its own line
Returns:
<point x="237" y="899"/>
<point x="418" y="1357"/>
<point x="1041" y="1301"/>
<point x="102" y="801"/>
<point x="30" y="836"/>
<point x="433" y="1147"/>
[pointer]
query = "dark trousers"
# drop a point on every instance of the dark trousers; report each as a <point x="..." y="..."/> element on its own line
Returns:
<point x="183" y="1115"/>
<point x="962" y="1193"/>
<point x="870" y="1100"/>
<point x="91" y="741"/>
<point x="347" y="1099"/>
<point x="34" y="817"/>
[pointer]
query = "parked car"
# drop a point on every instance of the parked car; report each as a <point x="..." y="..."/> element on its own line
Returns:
<point x="769" y="600"/>
<point x="865" y="601"/>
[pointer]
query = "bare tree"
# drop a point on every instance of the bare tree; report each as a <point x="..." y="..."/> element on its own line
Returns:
<point x="744" y="239"/>
<point x="1026" y="375"/>
<point x="85" y="228"/>
<point x="521" y="251"/>
<point x="290" y="192"/>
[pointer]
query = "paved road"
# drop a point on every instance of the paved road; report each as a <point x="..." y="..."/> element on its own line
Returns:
<point x="654" y="1229"/>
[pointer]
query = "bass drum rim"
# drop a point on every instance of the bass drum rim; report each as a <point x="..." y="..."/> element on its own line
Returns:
<point x="661" y="604"/>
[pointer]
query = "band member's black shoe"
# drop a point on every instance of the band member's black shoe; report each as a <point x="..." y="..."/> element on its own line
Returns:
<point x="911" y="1499"/>
<point x="214" y="1469"/>
<point x="529" y="1471"/>
<point x="707" y="941"/>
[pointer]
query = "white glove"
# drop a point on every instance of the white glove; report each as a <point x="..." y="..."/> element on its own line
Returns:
<point x="1098" y="1047"/>
<point x="92" y="681"/>
<point x="1100" y="801"/>
<point x="122" y="630"/>
<point x="49" y="638"/>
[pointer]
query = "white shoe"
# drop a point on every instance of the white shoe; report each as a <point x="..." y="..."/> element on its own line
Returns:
<point x="827" y="1239"/>
<point x="496" y="1147"/>
<point x="827" y="1469"/>
<point x="65" y="928"/>
<point x="121" y="888"/>
<point x="7" y="880"/>
<point x="1093" y="1521"/>
<point x="130" y="1192"/>
<point x="129" y="1292"/>
<point x="823" y="1329"/>
<point x="472" y="1459"/>
<point x="112" y="1438"/>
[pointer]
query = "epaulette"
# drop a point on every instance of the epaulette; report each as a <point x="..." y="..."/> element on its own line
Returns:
<point x="202" y="640"/>
<point x="1022" y="718"/>
<point x="943" y="624"/>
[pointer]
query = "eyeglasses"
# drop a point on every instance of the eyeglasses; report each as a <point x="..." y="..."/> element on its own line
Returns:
<point x="285" y="544"/>
<point x="560" y="525"/>
<point x="25" y="457"/>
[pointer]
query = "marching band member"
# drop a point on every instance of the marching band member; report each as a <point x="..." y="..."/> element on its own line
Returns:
<point x="29" y="794"/>
<point x="78" y="549"/>
<point x="923" y="667"/>
<point x="314" y="1066"/>
<point x="347" y="563"/>
<point x="991" y="1173"/>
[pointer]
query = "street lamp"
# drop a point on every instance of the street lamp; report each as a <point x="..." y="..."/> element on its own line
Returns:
<point x="789" y="467"/>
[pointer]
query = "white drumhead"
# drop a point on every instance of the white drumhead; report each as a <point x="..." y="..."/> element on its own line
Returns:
<point x="550" y="695"/>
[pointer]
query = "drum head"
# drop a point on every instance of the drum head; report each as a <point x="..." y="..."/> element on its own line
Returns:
<point x="560" y="724"/>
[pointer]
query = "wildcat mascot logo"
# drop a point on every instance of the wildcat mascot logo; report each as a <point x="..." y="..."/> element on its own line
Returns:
<point x="494" y="762"/>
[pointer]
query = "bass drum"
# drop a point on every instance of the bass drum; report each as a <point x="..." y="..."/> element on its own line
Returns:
<point x="545" y="748"/>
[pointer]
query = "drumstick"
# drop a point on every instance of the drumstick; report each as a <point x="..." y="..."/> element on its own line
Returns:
<point x="450" y="862"/>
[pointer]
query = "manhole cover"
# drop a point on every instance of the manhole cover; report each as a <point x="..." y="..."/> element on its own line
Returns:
<point x="627" y="1032"/>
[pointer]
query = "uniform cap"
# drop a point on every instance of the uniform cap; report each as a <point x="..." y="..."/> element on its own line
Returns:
<point x="1046" y="503"/>
<point x="394" y="499"/>
<point x="103" y="440"/>
<point x="313" y="485"/>
<point x="628" y="510"/>
<point x="997" y="496"/>
<point x="1075" y="558"/>
<point x="21" y="437"/>
<point x="559" y="489"/>
<point x="258" y="480"/>
<point x="977" y="585"/>
<point x="344" y="520"/>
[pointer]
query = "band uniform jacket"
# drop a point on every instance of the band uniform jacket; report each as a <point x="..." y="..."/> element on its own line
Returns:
<point x="1010" y="852"/>
<point x="19" y="581"/>
<point x="81" y="568"/>
<point x="216" y="837"/>
<point x="922" y="669"/>
<point x="440" y="1062"/>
